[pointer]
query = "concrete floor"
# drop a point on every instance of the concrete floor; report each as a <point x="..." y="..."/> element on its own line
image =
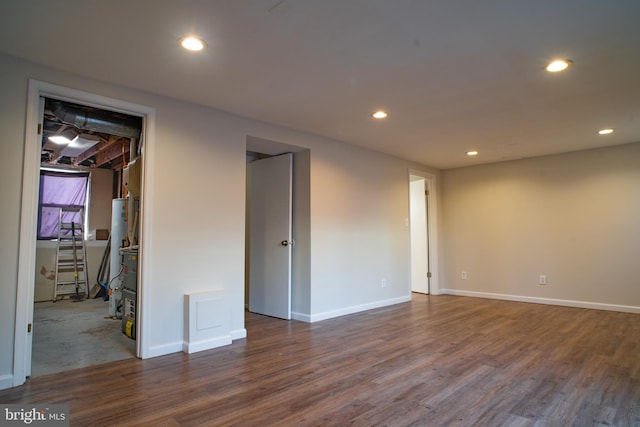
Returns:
<point x="69" y="335"/>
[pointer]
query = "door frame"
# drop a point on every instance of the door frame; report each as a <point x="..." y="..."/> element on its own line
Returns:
<point x="432" y="226"/>
<point x="29" y="208"/>
<point x="270" y="308"/>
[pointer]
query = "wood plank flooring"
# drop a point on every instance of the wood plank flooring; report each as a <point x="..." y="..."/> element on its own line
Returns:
<point x="436" y="361"/>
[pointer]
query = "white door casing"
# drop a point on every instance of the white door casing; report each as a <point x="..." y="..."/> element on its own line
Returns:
<point x="29" y="207"/>
<point x="419" y="236"/>
<point x="428" y="235"/>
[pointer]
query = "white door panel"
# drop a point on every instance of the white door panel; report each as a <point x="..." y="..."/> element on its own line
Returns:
<point x="270" y="236"/>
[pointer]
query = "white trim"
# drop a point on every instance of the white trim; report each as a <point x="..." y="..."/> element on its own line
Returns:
<point x="27" y="243"/>
<point x="179" y="346"/>
<point x="208" y="344"/>
<point x="6" y="381"/>
<point x="238" y="334"/>
<point x="549" y="301"/>
<point x="357" y="308"/>
<point x="87" y="208"/>
<point x="147" y="195"/>
<point x="164" y="349"/>
<point x="431" y="183"/>
<point x="303" y="317"/>
<point x="29" y="206"/>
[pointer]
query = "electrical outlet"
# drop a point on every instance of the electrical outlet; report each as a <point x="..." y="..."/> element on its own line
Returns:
<point x="543" y="279"/>
<point x="383" y="283"/>
<point x="463" y="275"/>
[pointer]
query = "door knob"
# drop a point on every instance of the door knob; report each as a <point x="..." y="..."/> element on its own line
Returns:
<point x="285" y="243"/>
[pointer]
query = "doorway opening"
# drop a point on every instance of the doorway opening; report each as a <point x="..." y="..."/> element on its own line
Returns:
<point x="423" y="232"/>
<point x="76" y="308"/>
<point x="277" y="266"/>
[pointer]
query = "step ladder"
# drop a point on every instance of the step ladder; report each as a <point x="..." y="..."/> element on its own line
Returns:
<point x="71" y="256"/>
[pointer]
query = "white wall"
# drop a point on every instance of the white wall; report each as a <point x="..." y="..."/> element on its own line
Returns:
<point x="13" y="86"/>
<point x="359" y="234"/>
<point x="358" y="208"/>
<point x="574" y="217"/>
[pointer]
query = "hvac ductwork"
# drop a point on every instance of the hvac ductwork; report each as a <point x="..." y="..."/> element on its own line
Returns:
<point x="97" y="120"/>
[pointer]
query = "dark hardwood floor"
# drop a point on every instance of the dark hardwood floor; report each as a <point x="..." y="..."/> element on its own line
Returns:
<point x="436" y="361"/>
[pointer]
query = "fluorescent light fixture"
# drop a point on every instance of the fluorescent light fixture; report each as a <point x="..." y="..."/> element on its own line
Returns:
<point x="192" y="43"/>
<point x="559" y="65"/>
<point x="380" y="114"/>
<point x="606" y="131"/>
<point x="472" y="153"/>
<point x="59" y="139"/>
<point x="80" y="144"/>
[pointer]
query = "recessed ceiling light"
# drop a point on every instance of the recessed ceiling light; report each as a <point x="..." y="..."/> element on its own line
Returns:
<point x="380" y="114"/>
<point x="559" y="65"/>
<point x="192" y="43"/>
<point x="605" y="131"/>
<point x="472" y="153"/>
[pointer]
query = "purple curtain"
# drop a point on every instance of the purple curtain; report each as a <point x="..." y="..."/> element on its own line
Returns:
<point x="59" y="190"/>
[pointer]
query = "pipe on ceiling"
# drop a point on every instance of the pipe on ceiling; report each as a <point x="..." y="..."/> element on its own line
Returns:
<point x="96" y="120"/>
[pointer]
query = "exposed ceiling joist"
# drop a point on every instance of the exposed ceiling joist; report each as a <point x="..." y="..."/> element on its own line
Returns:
<point x="93" y="151"/>
<point x="102" y="138"/>
<point x="116" y="150"/>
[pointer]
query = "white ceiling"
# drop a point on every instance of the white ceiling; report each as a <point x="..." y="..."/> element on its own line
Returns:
<point x="453" y="74"/>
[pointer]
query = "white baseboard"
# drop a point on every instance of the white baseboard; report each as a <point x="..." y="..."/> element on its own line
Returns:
<point x="238" y="334"/>
<point x="6" y="381"/>
<point x="164" y="349"/>
<point x="549" y="301"/>
<point x="357" y="308"/>
<point x="176" y="347"/>
<point x="303" y="317"/>
<point x="208" y="344"/>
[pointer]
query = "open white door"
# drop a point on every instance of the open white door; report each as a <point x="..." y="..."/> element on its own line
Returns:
<point x="270" y="236"/>
<point x="423" y="232"/>
<point x="419" y="235"/>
